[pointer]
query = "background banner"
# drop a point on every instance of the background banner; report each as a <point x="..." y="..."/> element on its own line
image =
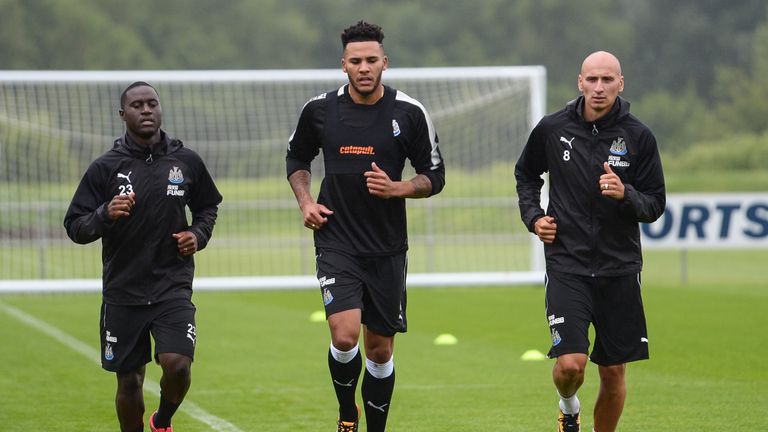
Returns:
<point x="706" y="220"/>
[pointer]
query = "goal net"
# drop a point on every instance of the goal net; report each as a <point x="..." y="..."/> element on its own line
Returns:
<point x="53" y="124"/>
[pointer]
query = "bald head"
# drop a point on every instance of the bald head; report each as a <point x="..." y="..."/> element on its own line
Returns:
<point x="602" y="60"/>
<point x="600" y="81"/>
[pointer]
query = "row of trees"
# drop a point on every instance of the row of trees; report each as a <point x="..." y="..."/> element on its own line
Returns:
<point x="694" y="68"/>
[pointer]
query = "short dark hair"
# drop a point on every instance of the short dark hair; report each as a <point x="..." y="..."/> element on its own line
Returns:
<point x="132" y="86"/>
<point x="361" y="32"/>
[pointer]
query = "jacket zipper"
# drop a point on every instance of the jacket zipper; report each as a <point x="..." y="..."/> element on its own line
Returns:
<point x="593" y="243"/>
<point x="149" y="161"/>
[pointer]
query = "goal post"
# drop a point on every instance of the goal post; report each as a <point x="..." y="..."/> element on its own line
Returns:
<point x="53" y="124"/>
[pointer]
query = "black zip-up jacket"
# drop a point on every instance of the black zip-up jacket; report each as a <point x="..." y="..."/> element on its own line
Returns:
<point x="142" y="264"/>
<point x="596" y="235"/>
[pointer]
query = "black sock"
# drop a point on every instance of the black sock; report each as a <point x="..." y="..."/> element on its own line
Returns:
<point x="164" y="413"/>
<point x="377" y="395"/>
<point x="345" y="377"/>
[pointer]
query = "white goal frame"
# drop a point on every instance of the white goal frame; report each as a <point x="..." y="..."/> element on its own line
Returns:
<point x="536" y="75"/>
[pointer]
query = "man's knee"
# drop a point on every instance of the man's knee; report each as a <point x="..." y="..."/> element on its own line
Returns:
<point x="176" y="366"/>
<point x="130" y="382"/>
<point x="571" y="367"/>
<point x="612" y="377"/>
<point x="378" y="348"/>
<point x="345" y="329"/>
<point x="344" y="342"/>
<point x="379" y="353"/>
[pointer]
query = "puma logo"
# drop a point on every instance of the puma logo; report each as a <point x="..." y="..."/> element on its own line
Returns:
<point x="562" y="139"/>
<point x="349" y="384"/>
<point x="380" y="408"/>
<point x="128" y="176"/>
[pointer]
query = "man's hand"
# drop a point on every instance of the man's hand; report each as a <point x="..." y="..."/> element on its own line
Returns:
<point x="187" y="242"/>
<point x="611" y="185"/>
<point x="121" y="206"/>
<point x="379" y="184"/>
<point x="315" y="215"/>
<point x="546" y="228"/>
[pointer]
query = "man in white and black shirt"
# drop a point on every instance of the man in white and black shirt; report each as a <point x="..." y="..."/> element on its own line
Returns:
<point x="367" y="131"/>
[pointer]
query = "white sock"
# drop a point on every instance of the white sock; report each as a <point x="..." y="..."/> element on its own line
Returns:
<point x="569" y="405"/>
<point x="380" y="370"/>
<point x="344" y="356"/>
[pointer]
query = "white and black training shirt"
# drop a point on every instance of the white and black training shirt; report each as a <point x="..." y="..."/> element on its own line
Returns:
<point x="352" y="136"/>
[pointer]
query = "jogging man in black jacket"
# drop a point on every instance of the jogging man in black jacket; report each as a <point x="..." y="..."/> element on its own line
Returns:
<point x="133" y="197"/>
<point x="605" y="176"/>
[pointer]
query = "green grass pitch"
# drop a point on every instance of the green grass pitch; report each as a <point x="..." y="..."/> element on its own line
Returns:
<point x="261" y="362"/>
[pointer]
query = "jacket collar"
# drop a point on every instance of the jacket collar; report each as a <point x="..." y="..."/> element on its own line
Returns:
<point x="128" y="146"/>
<point x="619" y="111"/>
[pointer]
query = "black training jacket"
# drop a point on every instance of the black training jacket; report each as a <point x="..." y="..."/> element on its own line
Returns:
<point x="141" y="261"/>
<point x="596" y="235"/>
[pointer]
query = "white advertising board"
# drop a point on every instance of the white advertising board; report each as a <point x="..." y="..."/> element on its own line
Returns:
<point x="706" y="220"/>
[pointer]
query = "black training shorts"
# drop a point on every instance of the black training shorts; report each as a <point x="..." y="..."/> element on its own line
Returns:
<point x="125" y="333"/>
<point x="614" y="307"/>
<point x="376" y="285"/>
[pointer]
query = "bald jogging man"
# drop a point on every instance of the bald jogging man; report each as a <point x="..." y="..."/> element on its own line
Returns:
<point x="605" y="177"/>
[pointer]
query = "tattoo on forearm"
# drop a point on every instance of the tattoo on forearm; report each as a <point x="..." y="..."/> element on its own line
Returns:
<point x="422" y="186"/>
<point x="300" y="182"/>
